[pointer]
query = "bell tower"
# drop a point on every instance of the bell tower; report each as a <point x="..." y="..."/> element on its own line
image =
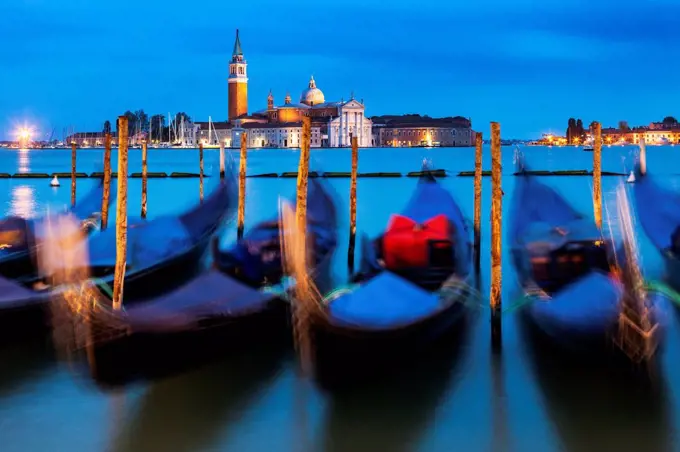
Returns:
<point x="270" y="101"/>
<point x="238" y="82"/>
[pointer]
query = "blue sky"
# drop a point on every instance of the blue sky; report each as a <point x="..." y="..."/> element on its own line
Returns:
<point x="528" y="64"/>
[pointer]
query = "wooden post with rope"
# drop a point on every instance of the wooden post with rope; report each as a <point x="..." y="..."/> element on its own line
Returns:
<point x="243" y="162"/>
<point x="73" y="174"/>
<point x="478" y="200"/>
<point x="496" y="231"/>
<point x="597" y="172"/>
<point x="353" y="204"/>
<point x="121" y="214"/>
<point x="106" y="193"/>
<point x="144" y="177"/>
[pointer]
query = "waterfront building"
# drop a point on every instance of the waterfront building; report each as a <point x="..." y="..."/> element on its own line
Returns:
<point x="416" y="130"/>
<point x="333" y="122"/>
<point x="90" y="139"/>
<point x="212" y="133"/>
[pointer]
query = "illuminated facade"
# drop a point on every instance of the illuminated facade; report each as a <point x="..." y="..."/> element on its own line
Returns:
<point x="333" y="122"/>
<point x="416" y="130"/>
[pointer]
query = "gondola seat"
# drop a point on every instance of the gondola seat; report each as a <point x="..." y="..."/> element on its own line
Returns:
<point x="408" y="245"/>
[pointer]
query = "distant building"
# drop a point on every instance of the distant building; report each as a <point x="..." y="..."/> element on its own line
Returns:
<point x="416" y="130"/>
<point x="213" y="133"/>
<point x="90" y="139"/>
<point x="334" y="123"/>
<point x="278" y="135"/>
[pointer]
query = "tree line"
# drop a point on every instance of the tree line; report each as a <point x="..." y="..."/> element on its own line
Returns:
<point x="154" y="127"/>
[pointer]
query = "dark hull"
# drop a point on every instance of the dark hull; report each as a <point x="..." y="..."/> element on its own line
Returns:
<point x="164" y="276"/>
<point x="34" y="318"/>
<point x="672" y="270"/>
<point x="21" y="323"/>
<point x="154" y="355"/>
<point x="345" y="355"/>
<point x="19" y="265"/>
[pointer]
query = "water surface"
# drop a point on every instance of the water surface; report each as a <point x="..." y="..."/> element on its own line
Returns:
<point x="471" y="401"/>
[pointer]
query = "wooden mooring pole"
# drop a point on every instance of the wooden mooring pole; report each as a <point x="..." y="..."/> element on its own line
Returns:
<point x="121" y="213"/>
<point x="597" y="172"/>
<point x="73" y="174"/>
<point x="496" y="231"/>
<point x="106" y="193"/>
<point x="478" y="200"/>
<point x="302" y="312"/>
<point x="353" y="204"/>
<point x="243" y="161"/>
<point x="221" y="159"/>
<point x="144" y="177"/>
<point x="200" y="170"/>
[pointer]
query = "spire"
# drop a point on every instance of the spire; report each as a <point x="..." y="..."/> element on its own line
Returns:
<point x="312" y="83"/>
<point x="237" y="46"/>
<point x="287" y="99"/>
<point x="271" y="96"/>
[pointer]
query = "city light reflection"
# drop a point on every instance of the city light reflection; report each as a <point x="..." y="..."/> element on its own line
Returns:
<point x="24" y="161"/>
<point x="23" y="201"/>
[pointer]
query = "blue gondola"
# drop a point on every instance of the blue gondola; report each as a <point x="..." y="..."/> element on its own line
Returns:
<point x="658" y="209"/>
<point x="565" y="266"/>
<point x="162" y="253"/>
<point x="238" y="304"/>
<point x="20" y="237"/>
<point x="399" y="307"/>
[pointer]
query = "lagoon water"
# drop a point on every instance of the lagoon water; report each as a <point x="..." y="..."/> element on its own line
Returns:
<point x="475" y="402"/>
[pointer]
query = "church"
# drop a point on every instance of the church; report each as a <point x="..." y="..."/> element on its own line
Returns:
<point x="334" y="123"/>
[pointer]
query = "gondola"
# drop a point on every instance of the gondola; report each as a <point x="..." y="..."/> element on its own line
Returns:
<point x="565" y="266"/>
<point x="240" y="304"/>
<point x="163" y="253"/>
<point x="657" y="209"/>
<point x="409" y="293"/>
<point x="20" y="237"/>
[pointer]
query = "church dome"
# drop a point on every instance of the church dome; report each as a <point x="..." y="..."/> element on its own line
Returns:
<point x="312" y="95"/>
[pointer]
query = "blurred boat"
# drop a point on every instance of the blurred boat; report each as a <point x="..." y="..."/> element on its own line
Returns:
<point x="238" y="304"/>
<point x="162" y="253"/>
<point x="565" y="267"/>
<point x="658" y="210"/>
<point x="20" y="237"/>
<point x="410" y="291"/>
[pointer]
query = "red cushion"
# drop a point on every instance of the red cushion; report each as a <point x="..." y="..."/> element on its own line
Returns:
<point x="406" y="243"/>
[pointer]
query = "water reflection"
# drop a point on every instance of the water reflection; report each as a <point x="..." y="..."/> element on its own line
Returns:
<point x="191" y="411"/>
<point x="24" y="162"/>
<point x="594" y="406"/>
<point x="392" y="414"/>
<point x="23" y="202"/>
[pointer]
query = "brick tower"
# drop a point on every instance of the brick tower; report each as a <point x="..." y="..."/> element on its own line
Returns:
<point x="238" y="82"/>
